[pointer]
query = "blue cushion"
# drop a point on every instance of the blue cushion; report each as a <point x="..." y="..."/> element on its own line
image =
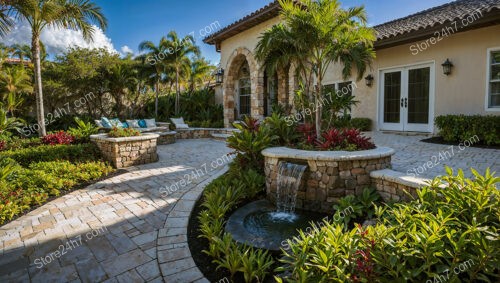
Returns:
<point x="106" y="123"/>
<point x="116" y="123"/>
<point x="142" y="124"/>
<point x="125" y="125"/>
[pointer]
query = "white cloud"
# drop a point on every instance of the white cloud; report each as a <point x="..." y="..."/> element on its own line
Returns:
<point x="58" y="40"/>
<point x="126" y="50"/>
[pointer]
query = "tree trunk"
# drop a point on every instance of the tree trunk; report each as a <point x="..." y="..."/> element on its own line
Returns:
<point x="35" y="48"/>
<point x="157" y="90"/>
<point x="177" y="91"/>
<point x="319" y="108"/>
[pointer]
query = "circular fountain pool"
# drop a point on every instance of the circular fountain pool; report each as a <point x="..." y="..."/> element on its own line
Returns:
<point x="258" y="224"/>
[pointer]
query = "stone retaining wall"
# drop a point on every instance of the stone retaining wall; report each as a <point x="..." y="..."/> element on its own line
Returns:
<point x="130" y="151"/>
<point x="396" y="186"/>
<point x="330" y="175"/>
<point x="201" y="133"/>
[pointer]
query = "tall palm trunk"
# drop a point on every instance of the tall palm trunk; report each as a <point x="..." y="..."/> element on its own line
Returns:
<point x="177" y="91"/>
<point x="157" y="90"/>
<point x="35" y="47"/>
<point x="319" y="106"/>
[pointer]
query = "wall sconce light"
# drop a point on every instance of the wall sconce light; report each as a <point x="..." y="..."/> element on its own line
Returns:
<point x="447" y="66"/>
<point x="219" y="76"/>
<point x="369" y="80"/>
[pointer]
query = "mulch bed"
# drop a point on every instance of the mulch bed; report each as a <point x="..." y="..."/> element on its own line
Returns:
<point x="440" y="140"/>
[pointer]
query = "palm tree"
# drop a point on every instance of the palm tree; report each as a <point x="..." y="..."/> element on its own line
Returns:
<point x="179" y="60"/>
<point x="314" y="35"/>
<point x="71" y="14"/>
<point x="14" y="82"/>
<point x="156" y="67"/>
<point x="6" y="21"/>
<point x="201" y="71"/>
<point x="21" y="51"/>
<point x="121" y="79"/>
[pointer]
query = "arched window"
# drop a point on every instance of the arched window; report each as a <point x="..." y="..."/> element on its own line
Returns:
<point x="244" y="91"/>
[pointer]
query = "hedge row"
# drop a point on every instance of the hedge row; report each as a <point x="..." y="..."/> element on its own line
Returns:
<point x="459" y="128"/>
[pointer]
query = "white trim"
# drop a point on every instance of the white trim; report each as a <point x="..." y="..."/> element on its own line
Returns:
<point x="488" y="74"/>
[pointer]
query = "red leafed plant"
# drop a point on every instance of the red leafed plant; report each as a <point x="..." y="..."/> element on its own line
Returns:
<point x="309" y="132"/>
<point x="345" y="139"/>
<point x="58" y="138"/>
<point x="364" y="265"/>
<point x="2" y="145"/>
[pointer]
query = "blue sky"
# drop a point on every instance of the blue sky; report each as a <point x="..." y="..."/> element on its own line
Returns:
<point x="132" y="21"/>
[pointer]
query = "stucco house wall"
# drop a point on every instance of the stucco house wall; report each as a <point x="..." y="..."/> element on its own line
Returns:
<point x="462" y="92"/>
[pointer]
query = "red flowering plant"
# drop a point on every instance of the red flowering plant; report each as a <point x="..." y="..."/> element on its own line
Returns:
<point x="364" y="264"/>
<point x="60" y="137"/>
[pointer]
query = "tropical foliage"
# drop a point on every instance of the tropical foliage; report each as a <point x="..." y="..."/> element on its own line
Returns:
<point x="449" y="233"/>
<point x="314" y="35"/>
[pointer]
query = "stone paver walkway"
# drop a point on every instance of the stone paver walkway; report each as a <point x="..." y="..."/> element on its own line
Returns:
<point x="133" y="227"/>
<point x="427" y="160"/>
<point x="119" y="221"/>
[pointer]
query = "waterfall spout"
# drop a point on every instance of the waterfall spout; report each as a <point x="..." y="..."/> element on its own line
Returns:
<point x="289" y="177"/>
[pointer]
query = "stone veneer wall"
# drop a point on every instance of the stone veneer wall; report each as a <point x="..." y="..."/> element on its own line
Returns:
<point x="396" y="186"/>
<point x="201" y="133"/>
<point x="330" y="175"/>
<point x="129" y="151"/>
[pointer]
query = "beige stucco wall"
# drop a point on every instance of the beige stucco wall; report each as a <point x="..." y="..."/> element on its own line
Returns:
<point x="247" y="39"/>
<point x="463" y="92"/>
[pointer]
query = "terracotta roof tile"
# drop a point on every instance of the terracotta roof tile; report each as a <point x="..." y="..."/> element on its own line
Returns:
<point x="429" y="18"/>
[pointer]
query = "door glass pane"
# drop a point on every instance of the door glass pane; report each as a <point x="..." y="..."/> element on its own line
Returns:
<point x="418" y="95"/>
<point x="392" y="97"/>
<point x="244" y="94"/>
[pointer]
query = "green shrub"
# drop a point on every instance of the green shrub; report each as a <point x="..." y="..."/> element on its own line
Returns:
<point x="15" y="143"/>
<point x="362" y="124"/>
<point x="73" y="153"/>
<point x="83" y="131"/>
<point x="426" y="239"/>
<point x="220" y="197"/>
<point x="459" y="128"/>
<point x="284" y="129"/>
<point x="123" y="132"/>
<point x="22" y="188"/>
<point x="249" y="143"/>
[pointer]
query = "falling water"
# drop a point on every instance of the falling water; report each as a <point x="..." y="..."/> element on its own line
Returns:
<point x="289" y="177"/>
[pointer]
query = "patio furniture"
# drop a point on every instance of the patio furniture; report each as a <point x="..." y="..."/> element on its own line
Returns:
<point x="179" y="123"/>
<point x="143" y="125"/>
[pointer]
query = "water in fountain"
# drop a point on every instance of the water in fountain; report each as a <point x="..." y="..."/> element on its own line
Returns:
<point x="289" y="177"/>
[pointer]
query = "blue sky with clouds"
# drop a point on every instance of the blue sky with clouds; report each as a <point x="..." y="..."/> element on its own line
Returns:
<point x="133" y="21"/>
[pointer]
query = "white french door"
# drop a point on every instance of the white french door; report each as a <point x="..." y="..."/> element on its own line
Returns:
<point x="407" y="99"/>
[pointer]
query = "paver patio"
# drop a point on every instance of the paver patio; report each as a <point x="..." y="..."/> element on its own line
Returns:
<point x="142" y="232"/>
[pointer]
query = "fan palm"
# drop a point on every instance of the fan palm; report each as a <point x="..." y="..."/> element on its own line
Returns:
<point x="9" y="123"/>
<point x="314" y="35"/>
<point x="80" y="15"/>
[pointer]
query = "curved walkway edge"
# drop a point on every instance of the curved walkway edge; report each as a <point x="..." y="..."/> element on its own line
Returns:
<point x="174" y="256"/>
